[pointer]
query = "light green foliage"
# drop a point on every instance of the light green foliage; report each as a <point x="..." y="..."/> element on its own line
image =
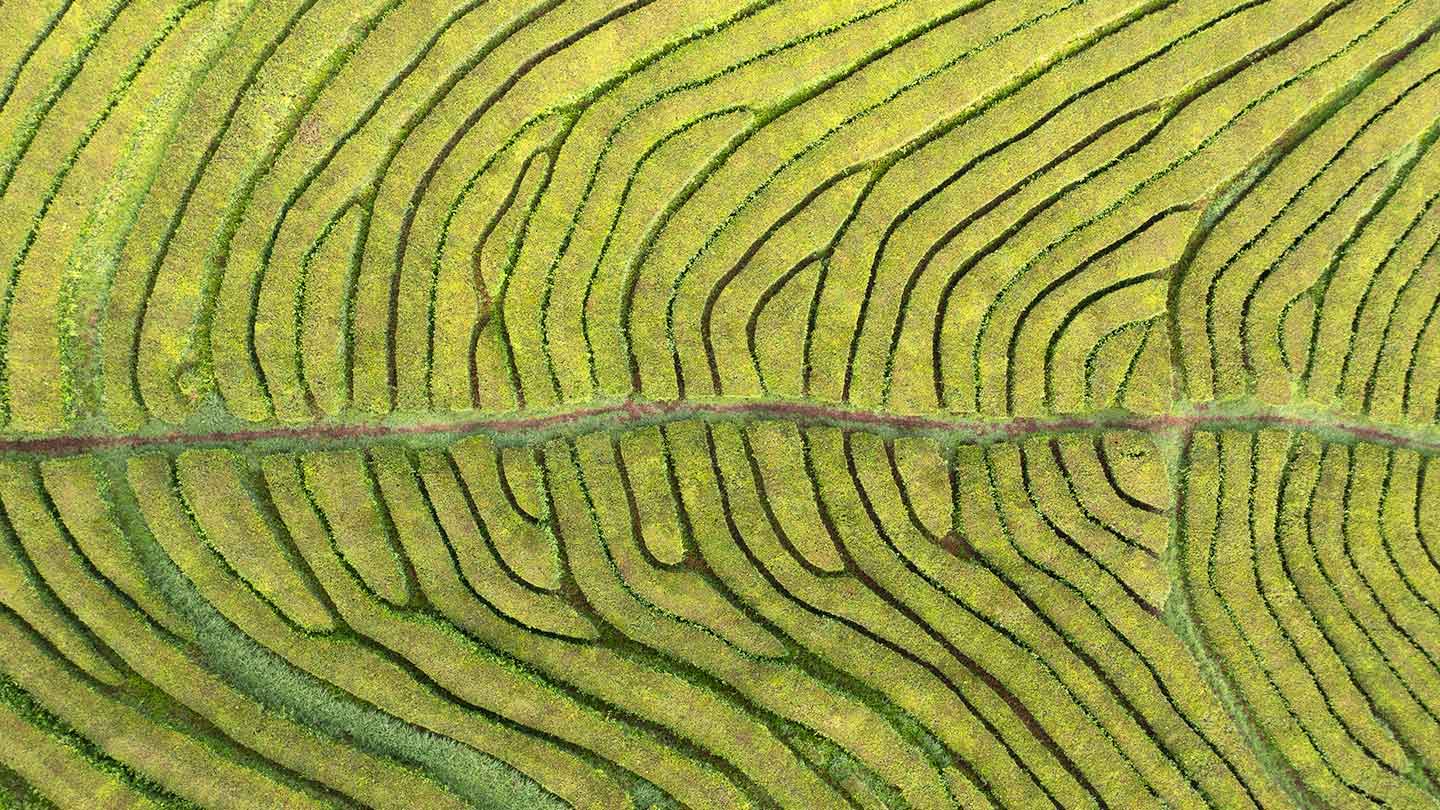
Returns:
<point x="774" y="404"/>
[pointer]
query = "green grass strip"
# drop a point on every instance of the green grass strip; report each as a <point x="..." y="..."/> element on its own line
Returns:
<point x="269" y="679"/>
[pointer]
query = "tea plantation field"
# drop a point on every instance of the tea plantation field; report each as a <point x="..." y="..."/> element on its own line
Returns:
<point x="783" y="404"/>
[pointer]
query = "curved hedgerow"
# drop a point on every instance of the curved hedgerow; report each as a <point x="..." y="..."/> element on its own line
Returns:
<point x="978" y="576"/>
<point x="660" y="404"/>
<point x="384" y="208"/>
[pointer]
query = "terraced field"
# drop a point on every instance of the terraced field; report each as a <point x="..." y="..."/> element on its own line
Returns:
<point x="682" y="404"/>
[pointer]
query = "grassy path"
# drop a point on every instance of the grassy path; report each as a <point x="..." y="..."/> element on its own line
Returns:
<point x="524" y="427"/>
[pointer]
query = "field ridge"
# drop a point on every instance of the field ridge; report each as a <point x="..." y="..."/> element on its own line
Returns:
<point x="521" y="427"/>
<point x="697" y="405"/>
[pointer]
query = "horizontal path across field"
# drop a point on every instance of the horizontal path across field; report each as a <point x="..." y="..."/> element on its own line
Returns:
<point x="526" y="427"/>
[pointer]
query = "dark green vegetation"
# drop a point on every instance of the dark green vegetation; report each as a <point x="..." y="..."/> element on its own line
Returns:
<point x="684" y="404"/>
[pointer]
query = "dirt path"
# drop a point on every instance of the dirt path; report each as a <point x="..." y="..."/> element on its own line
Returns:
<point x="527" y="427"/>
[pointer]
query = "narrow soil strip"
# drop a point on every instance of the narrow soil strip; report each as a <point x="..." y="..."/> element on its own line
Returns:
<point x="522" y="426"/>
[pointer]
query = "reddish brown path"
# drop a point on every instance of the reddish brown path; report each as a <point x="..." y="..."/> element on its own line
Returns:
<point x="538" y="426"/>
